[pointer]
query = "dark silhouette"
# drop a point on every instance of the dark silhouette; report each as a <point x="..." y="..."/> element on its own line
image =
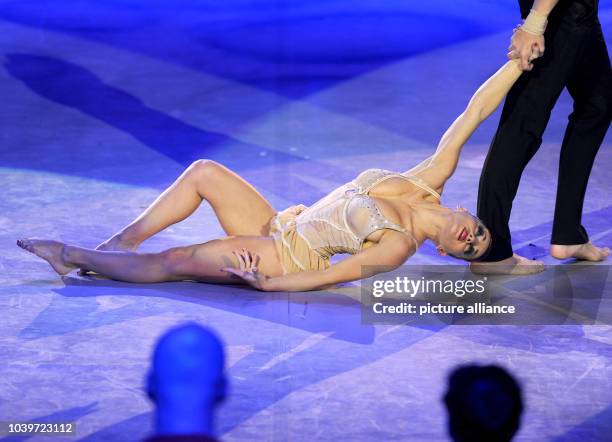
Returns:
<point x="186" y="382"/>
<point x="484" y="404"/>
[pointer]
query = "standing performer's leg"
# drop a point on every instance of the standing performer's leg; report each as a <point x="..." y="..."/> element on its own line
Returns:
<point x="240" y="208"/>
<point x="591" y="88"/>
<point x="524" y="118"/>
<point x="202" y="262"/>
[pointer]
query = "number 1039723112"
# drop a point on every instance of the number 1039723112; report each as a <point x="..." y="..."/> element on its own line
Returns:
<point x="48" y="428"/>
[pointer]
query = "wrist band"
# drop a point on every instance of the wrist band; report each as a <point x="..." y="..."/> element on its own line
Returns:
<point x="535" y="23"/>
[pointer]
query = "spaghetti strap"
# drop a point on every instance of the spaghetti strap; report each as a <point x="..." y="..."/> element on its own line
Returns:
<point x="422" y="184"/>
<point x="371" y="177"/>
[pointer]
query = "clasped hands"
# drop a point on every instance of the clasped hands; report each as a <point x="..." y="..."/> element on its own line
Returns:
<point x="525" y="47"/>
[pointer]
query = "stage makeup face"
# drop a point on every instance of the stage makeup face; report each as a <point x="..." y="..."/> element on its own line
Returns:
<point x="464" y="236"/>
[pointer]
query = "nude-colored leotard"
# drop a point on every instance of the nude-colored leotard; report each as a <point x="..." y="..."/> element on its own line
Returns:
<point x="337" y="223"/>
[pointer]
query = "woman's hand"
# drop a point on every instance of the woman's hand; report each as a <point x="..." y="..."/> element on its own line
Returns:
<point x="248" y="271"/>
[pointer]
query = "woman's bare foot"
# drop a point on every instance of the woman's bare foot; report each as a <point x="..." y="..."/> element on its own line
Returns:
<point x="586" y="252"/>
<point x="515" y="265"/>
<point x="50" y="251"/>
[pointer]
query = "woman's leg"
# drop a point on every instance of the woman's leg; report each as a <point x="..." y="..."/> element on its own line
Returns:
<point x="200" y="262"/>
<point x="240" y="208"/>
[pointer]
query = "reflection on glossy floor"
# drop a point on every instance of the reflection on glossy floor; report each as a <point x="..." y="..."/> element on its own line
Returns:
<point x="103" y="106"/>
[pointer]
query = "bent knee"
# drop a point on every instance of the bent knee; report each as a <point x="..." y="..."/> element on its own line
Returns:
<point x="596" y="109"/>
<point x="208" y="169"/>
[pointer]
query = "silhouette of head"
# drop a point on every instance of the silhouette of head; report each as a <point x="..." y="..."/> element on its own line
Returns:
<point x="484" y="403"/>
<point x="186" y="379"/>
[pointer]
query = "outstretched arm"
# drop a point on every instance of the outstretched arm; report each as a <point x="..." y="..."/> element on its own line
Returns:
<point x="438" y="168"/>
<point x="389" y="253"/>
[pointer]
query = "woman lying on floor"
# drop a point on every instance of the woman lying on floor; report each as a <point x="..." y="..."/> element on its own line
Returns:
<point x="380" y="218"/>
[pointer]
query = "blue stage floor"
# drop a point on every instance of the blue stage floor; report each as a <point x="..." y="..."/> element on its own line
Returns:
<point x="103" y="106"/>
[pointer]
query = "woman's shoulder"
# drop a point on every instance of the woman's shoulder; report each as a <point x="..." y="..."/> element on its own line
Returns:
<point x="369" y="177"/>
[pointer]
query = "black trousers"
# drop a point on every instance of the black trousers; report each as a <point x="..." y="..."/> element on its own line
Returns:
<point x="576" y="57"/>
